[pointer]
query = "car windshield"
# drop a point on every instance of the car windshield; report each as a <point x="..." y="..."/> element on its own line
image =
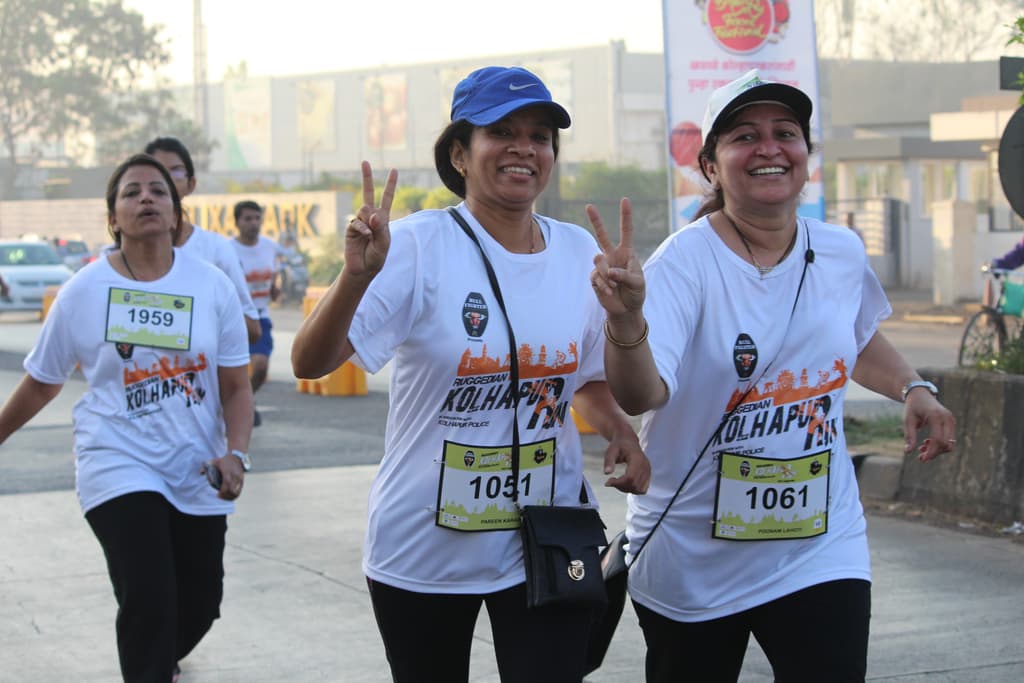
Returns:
<point x="71" y="248"/>
<point x="28" y="255"/>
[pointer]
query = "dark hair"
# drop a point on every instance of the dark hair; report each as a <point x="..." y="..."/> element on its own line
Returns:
<point x="115" y="181"/>
<point x="462" y="131"/>
<point x="714" y="199"/>
<point x="173" y="146"/>
<point x="246" y="204"/>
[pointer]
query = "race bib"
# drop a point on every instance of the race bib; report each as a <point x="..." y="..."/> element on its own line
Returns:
<point x="162" y="321"/>
<point x="761" y="499"/>
<point x="475" y="490"/>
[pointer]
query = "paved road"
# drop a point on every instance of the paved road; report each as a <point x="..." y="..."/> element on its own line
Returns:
<point x="948" y="605"/>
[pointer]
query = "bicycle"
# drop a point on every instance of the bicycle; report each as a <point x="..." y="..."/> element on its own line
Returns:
<point x="990" y="330"/>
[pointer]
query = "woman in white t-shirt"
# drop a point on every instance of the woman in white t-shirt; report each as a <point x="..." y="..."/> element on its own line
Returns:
<point x="442" y="530"/>
<point x="159" y="338"/>
<point x="754" y="321"/>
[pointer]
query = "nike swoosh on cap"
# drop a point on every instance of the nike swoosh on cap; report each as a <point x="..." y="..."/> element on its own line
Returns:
<point x="513" y="86"/>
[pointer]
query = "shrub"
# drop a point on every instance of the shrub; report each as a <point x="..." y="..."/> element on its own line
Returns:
<point x="327" y="259"/>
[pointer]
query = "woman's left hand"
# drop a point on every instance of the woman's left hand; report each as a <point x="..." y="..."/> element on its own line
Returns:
<point x="625" y="448"/>
<point x="232" y="476"/>
<point x="618" y="276"/>
<point x="922" y="409"/>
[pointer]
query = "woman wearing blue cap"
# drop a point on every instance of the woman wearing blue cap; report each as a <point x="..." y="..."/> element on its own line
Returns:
<point x="736" y="341"/>
<point x="442" y="537"/>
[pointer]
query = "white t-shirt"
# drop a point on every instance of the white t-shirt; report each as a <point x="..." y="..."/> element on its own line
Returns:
<point x="259" y="265"/>
<point x="216" y="249"/>
<point x="151" y="416"/>
<point x="715" y="326"/>
<point x="432" y="310"/>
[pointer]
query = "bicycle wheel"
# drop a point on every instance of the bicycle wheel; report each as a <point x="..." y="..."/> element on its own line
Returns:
<point x="984" y="337"/>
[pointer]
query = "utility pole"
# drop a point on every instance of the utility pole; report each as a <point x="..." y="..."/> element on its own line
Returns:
<point x="200" y="100"/>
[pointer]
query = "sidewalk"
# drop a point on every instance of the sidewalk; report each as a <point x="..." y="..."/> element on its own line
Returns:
<point x="917" y="306"/>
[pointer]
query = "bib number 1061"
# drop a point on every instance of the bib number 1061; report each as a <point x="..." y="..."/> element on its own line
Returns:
<point x="496" y="485"/>
<point x="772" y="497"/>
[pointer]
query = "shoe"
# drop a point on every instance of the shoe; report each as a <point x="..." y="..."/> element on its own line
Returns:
<point x="176" y="675"/>
<point x="256" y="419"/>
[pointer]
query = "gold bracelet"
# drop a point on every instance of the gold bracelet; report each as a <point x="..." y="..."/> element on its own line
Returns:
<point x="630" y="345"/>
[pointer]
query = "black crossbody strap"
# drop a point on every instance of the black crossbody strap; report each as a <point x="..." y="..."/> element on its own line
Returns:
<point x="513" y="353"/>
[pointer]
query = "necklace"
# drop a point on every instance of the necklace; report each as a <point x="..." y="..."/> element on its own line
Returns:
<point x="533" y="223"/>
<point x="125" y="260"/>
<point x="761" y="270"/>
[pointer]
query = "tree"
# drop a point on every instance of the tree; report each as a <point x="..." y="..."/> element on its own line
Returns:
<point x="152" y="114"/>
<point x="912" y="30"/>
<point x="408" y="200"/>
<point x="439" y="198"/>
<point x="73" y="66"/>
<point x="1017" y="38"/>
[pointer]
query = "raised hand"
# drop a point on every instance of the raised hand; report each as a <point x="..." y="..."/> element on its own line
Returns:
<point x="368" y="237"/>
<point x="618" y="277"/>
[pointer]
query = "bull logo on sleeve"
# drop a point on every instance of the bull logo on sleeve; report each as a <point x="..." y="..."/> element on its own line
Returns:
<point x="124" y="350"/>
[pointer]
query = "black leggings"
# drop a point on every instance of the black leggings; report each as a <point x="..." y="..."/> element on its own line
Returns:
<point x="167" y="570"/>
<point x="427" y="636"/>
<point x="816" y="635"/>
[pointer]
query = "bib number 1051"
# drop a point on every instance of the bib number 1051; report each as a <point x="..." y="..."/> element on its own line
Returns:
<point x="493" y="486"/>
<point x="771" y="497"/>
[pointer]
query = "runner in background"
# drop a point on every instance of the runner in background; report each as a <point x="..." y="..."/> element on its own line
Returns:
<point x="203" y="244"/>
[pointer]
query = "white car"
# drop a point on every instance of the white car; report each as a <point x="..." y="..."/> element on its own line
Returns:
<point x="28" y="268"/>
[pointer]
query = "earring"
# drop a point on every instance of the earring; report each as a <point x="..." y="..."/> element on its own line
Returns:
<point x="462" y="172"/>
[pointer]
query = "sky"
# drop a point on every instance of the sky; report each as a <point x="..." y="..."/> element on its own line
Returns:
<point x="308" y="36"/>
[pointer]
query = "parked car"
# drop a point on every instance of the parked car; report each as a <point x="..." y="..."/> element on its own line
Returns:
<point x="29" y="268"/>
<point x="74" y="253"/>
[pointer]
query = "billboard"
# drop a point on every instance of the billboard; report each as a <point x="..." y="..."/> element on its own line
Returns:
<point x="387" y="115"/>
<point x="711" y="42"/>
<point x="247" y="132"/>
<point x="315" y="115"/>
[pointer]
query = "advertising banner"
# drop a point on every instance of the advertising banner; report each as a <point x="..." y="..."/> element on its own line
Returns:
<point x="315" y="115"/>
<point x="247" y="123"/>
<point x="711" y="42"/>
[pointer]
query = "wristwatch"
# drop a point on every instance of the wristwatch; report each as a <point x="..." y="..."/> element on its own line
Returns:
<point x="914" y="385"/>
<point x="244" y="457"/>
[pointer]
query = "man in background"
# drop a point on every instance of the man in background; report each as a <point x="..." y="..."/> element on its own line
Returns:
<point x="259" y="257"/>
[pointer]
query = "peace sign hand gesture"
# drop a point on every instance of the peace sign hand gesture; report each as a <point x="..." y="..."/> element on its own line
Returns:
<point x="618" y="277"/>
<point x="368" y="237"/>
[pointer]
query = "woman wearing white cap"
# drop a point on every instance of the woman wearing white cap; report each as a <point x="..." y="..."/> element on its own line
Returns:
<point x="442" y="536"/>
<point x="736" y="341"/>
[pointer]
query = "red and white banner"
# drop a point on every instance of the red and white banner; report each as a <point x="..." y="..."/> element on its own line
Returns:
<point x="711" y="42"/>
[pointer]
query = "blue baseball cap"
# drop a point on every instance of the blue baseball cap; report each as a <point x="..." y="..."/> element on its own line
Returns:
<point x="490" y="94"/>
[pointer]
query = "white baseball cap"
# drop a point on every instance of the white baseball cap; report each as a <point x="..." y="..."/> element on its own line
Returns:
<point x="750" y="89"/>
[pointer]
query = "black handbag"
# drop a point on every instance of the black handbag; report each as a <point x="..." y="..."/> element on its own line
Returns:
<point x="560" y="543"/>
<point x="560" y="554"/>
